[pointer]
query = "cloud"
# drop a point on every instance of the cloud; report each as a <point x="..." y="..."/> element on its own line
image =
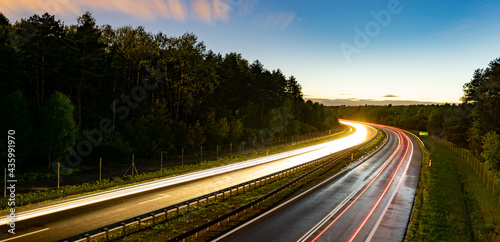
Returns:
<point x="390" y="95"/>
<point x="144" y="10"/>
<point x="275" y="21"/>
<point x="456" y="29"/>
<point x="203" y="10"/>
<point x="208" y="11"/>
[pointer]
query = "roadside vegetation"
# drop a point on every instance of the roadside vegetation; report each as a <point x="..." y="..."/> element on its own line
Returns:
<point x="452" y="204"/>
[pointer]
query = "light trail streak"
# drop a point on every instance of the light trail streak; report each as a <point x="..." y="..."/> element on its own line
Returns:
<point x="383" y="193"/>
<point x="295" y="157"/>
<point x="372" y="233"/>
<point x="362" y="192"/>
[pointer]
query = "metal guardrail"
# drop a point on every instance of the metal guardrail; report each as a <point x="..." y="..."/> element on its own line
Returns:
<point x="176" y="208"/>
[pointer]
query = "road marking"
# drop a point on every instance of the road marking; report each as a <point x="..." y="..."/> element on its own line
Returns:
<point x="224" y="179"/>
<point x="372" y="233"/>
<point x="17" y="237"/>
<point x="158" y="198"/>
<point x="383" y="193"/>
<point x="371" y="179"/>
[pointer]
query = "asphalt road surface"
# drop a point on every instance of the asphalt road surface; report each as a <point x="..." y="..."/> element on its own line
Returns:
<point x="64" y="219"/>
<point x="372" y="201"/>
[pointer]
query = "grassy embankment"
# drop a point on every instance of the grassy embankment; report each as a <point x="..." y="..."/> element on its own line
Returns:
<point x="452" y="203"/>
<point x="71" y="191"/>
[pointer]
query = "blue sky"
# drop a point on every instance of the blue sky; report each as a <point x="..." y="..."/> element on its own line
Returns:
<point x="419" y="50"/>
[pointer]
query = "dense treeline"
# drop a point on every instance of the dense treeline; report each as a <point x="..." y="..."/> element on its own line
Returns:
<point x="474" y="124"/>
<point x="101" y="90"/>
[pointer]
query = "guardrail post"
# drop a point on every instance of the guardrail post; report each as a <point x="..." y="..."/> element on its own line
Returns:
<point x="166" y="213"/>
<point x="139" y="220"/>
<point x="87" y="236"/>
<point x="124" y="225"/>
<point x="153" y="215"/>
<point x="107" y="233"/>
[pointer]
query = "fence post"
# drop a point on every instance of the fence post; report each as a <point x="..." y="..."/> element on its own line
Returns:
<point x="182" y="157"/>
<point x="5" y="183"/>
<point x="484" y="175"/>
<point x="58" y="173"/>
<point x="100" y="168"/>
<point x="217" y="152"/>
<point x="161" y="160"/>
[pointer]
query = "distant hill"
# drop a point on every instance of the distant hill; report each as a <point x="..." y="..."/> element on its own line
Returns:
<point x="362" y="102"/>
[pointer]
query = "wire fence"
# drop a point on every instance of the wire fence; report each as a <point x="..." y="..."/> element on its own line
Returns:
<point x="487" y="178"/>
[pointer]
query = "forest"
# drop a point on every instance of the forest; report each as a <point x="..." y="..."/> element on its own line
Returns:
<point x="87" y="90"/>
<point x="472" y="124"/>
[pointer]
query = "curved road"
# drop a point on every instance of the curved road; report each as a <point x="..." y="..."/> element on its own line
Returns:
<point x="75" y="216"/>
<point x="372" y="201"/>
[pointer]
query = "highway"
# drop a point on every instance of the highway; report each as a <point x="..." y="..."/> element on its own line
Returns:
<point x="372" y="201"/>
<point x="75" y="216"/>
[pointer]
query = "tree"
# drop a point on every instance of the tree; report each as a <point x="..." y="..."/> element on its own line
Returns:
<point x="58" y="128"/>
<point x="41" y="41"/>
<point x="216" y="129"/>
<point x="482" y="97"/>
<point x="236" y="130"/>
<point x="88" y="52"/>
<point x="153" y="131"/>
<point x="11" y="69"/>
<point x="491" y="152"/>
<point x="18" y="118"/>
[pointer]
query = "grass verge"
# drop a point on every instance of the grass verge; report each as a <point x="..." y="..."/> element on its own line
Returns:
<point x="28" y="200"/>
<point x="451" y="202"/>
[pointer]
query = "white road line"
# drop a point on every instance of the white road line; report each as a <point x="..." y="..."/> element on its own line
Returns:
<point x="20" y="236"/>
<point x="321" y="223"/>
<point x="224" y="179"/>
<point x="403" y="176"/>
<point x="162" y="197"/>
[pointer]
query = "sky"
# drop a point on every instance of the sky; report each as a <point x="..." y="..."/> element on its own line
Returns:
<point x="341" y="51"/>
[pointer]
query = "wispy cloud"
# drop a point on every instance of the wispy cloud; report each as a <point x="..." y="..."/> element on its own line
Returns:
<point x="275" y="21"/>
<point x="454" y="30"/>
<point x="208" y="11"/>
<point x="390" y="95"/>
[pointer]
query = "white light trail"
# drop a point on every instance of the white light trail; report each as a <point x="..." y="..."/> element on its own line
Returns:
<point x="296" y="157"/>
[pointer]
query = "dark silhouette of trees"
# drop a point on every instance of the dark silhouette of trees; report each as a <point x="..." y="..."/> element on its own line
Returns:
<point x="155" y="92"/>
